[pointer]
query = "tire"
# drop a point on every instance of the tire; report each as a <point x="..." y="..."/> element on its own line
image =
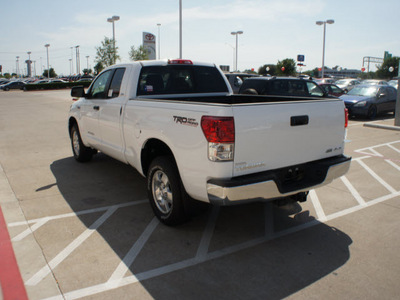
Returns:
<point x="166" y="192"/>
<point x="7" y="89"/>
<point x="80" y="151"/>
<point x="372" y="112"/>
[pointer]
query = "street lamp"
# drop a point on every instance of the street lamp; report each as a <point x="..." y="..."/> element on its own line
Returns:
<point x="17" y="67"/>
<point x="29" y="64"/>
<point x="180" y="29"/>
<point x="112" y="20"/>
<point x="48" y="69"/>
<point x="323" y="47"/>
<point x="159" y="41"/>
<point x="236" y="33"/>
<point x="87" y="63"/>
<point x="78" y="61"/>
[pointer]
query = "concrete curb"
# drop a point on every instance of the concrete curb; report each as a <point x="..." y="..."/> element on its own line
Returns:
<point x="380" y="126"/>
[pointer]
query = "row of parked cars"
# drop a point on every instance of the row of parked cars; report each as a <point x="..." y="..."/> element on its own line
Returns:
<point x="7" y="85"/>
<point x="366" y="98"/>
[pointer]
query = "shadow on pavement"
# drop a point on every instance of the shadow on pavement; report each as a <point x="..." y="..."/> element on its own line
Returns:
<point x="268" y="269"/>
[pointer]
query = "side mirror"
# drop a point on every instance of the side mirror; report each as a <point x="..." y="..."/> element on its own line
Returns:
<point x="78" y="92"/>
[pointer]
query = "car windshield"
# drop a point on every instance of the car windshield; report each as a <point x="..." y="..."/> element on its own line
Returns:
<point x="363" y="91"/>
<point x="342" y="82"/>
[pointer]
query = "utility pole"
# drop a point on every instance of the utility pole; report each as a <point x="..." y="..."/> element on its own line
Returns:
<point x="78" y="63"/>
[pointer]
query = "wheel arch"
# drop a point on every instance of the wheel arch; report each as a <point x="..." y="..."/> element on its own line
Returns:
<point x="71" y="122"/>
<point x="152" y="149"/>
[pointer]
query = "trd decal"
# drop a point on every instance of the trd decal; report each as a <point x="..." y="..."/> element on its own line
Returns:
<point x="185" y="121"/>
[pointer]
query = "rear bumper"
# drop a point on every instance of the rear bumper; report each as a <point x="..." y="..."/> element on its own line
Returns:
<point x="277" y="183"/>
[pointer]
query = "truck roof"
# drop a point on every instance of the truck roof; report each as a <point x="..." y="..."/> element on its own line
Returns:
<point x="165" y="62"/>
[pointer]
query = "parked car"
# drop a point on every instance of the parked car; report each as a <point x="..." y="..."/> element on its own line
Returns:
<point x="324" y="80"/>
<point x="347" y="84"/>
<point x="282" y="86"/>
<point x="4" y="81"/>
<point x="332" y="89"/>
<point x="14" y="85"/>
<point x="374" y="82"/>
<point x="236" y="80"/>
<point x="370" y="100"/>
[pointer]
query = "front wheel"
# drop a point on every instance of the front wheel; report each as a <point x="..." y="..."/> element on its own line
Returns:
<point x="81" y="152"/>
<point x="165" y="191"/>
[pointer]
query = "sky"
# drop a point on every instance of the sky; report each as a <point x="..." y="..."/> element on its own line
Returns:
<point x="273" y="30"/>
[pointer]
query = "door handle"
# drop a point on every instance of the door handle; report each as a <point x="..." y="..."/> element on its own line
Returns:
<point x="299" y="120"/>
<point x="96" y="107"/>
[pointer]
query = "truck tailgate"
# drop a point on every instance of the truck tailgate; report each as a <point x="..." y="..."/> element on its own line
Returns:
<point x="279" y="134"/>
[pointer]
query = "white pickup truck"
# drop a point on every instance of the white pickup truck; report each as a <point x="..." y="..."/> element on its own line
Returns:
<point x="178" y="123"/>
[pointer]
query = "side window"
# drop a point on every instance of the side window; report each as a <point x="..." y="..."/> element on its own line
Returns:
<point x="98" y="89"/>
<point x="115" y="85"/>
<point x="314" y="89"/>
<point x="335" y="89"/>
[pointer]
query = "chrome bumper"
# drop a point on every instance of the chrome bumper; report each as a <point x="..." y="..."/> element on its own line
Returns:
<point x="274" y="184"/>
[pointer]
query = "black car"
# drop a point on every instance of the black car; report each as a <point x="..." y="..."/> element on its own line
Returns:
<point x="14" y="85"/>
<point x="281" y="86"/>
<point x="370" y="100"/>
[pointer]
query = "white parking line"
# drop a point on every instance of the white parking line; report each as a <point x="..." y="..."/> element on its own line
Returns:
<point x="130" y="257"/>
<point x="35" y="279"/>
<point x="117" y="279"/>
<point x="394" y="148"/>
<point x="353" y="191"/>
<point x="317" y="205"/>
<point x="376" y="176"/>
<point x="207" y="234"/>
<point x="392" y="164"/>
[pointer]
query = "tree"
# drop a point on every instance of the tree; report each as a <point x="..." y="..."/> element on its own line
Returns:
<point x="267" y="70"/>
<point x="389" y="68"/>
<point x="105" y="53"/>
<point x="51" y="75"/>
<point x="87" y="71"/>
<point x="286" y="67"/>
<point x="138" y="54"/>
<point x="98" y="67"/>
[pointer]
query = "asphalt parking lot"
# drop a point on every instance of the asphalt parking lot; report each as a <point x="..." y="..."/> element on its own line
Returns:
<point x="87" y="230"/>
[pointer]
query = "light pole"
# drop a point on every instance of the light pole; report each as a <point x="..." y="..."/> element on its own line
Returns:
<point x="236" y="33"/>
<point x="29" y="64"/>
<point x="112" y="20"/>
<point x="48" y="69"/>
<point x="323" y="47"/>
<point x="17" y="71"/>
<point x="159" y="41"/>
<point x="72" y="60"/>
<point x="87" y="63"/>
<point x="180" y="29"/>
<point x="78" y="61"/>
<point x="70" y="66"/>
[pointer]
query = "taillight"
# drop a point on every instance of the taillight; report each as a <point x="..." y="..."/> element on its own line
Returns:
<point x="346" y="117"/>
<point x="220" y="134"/>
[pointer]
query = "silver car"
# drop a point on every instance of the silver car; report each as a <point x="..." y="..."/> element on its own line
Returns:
<point x="347" y="84"/>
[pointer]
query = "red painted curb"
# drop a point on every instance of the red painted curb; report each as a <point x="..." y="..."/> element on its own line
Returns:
<point x="12" y="286"/>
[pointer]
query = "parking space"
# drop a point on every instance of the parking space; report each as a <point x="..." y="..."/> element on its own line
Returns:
<point x="87" y="230"/>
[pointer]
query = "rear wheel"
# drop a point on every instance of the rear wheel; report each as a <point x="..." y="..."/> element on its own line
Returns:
<point x="166" y="192"/>
<point x="81" y="152"/>
<point x="372" y="112"/>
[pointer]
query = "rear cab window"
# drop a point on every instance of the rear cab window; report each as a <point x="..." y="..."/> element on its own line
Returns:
<point x="180" y="79"/>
